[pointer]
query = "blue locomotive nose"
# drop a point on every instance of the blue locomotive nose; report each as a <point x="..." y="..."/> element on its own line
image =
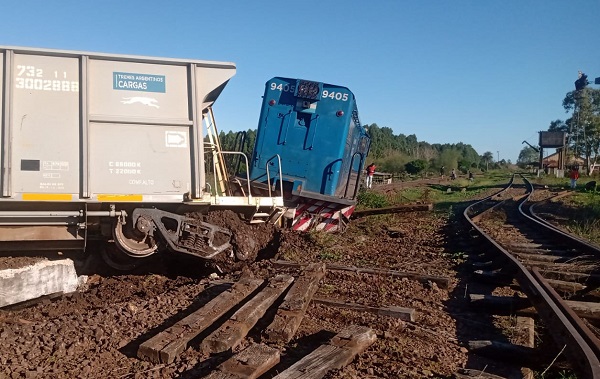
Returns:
<point x="314" y="127"/>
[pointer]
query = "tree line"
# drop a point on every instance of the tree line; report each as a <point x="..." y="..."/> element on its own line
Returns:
<point x="397" y="153"/>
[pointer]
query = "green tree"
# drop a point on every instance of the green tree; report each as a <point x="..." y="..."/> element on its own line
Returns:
<point x="237" y="141"/>
<point x="393" y="163"/>
<point x="392" y="152"/>
<point x="487" y="158"/>
<point x="558" y="126"/>
<point x="528" y="156"/>
<point x="416" y="166"/>
<point x="449" y="158"/>
<point x="584" y="125"/>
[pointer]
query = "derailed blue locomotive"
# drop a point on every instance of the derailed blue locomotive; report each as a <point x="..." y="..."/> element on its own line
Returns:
<point x="315" y="128"/>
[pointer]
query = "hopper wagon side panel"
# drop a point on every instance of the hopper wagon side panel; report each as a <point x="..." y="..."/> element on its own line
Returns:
<point x="93" y="127"/>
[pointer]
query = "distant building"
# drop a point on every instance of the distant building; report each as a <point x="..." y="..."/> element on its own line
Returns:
<point x="553" y="161"/>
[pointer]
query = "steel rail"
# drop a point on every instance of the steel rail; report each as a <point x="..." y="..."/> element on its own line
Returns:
<point x="570" y="239"/>
<point x="550" y="307"/>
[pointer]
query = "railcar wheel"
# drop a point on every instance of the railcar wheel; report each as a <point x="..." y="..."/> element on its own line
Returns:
<point x="114" y="258"/>
<point x="135" y="242"/>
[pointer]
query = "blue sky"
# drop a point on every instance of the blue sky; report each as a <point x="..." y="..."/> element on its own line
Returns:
<point x="489" y="73"/>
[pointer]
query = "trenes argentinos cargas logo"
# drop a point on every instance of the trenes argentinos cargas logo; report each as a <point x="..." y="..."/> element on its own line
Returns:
<point x="129" y="81"/>
<point x="141" y="100"/>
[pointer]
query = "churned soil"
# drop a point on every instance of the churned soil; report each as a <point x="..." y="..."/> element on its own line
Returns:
<point x="95" y="333"/>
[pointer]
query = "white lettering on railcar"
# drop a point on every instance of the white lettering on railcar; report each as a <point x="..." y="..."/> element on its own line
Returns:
<point x="55" y="165"/>
<point x="32" y="78"/>
<point x="52" y="185"/>
<point x="125" y="164"/>
<point x="141" y="182"/>
<point x="125" y="171"/>
<point x="125" y="168"/>
<point x="326" y="94"/>
<point x="125" y="81"/>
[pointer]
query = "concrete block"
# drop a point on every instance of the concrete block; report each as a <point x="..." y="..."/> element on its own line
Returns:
<point x="39" y="279"/>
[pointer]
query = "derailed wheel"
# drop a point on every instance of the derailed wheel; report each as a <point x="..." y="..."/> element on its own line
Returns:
<point x="114" y="258"/>
<point x="135" y="242"/>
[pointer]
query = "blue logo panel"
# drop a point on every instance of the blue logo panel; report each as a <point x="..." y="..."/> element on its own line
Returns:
<point x="129" y="81"/>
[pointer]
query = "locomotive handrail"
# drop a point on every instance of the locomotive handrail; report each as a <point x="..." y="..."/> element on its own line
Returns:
<point x="247" y="172"/>
<point x="314" y="132"/>
<point x="358" y="174"/>
<point x="269" y="177"/>
<point x="287" y="126"/>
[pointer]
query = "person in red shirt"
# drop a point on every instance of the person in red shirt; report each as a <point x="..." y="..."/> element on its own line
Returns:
<point x="574" y="176"/>
<point x="370" y="171"/>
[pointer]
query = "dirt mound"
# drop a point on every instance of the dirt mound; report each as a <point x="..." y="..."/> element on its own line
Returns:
<point x="247" y="240"/>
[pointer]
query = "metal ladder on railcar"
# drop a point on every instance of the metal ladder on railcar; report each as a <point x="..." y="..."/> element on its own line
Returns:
<point x="221" y="175"/>
<point x="215" y="148"/>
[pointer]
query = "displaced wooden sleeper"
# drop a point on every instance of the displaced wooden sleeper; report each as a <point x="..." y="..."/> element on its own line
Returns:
<point x="234" y="330"/>
<point x="340" y="351"/>
<point x="247" y="364"/>
<point x="168" y="344"/>
<point x="294" y="306"/>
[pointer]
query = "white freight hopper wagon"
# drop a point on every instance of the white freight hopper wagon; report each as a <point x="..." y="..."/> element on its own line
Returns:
<point x="111" y="147"/>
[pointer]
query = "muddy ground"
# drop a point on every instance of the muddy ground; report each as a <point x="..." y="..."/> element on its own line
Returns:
<point x="95" y="333"/>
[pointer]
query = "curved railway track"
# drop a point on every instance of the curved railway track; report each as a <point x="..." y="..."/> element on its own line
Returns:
<point x="548" y="262"/>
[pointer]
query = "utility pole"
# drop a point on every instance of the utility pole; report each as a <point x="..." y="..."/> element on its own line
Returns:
<point x="498" y="151"/>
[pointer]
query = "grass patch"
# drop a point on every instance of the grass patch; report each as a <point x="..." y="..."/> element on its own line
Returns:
<point x="369" y="199"/>
<point x="330" y="256"/>
<point x="586" y="221"/>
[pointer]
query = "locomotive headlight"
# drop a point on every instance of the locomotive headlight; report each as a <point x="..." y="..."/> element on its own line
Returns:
<point x="308" y="90"/>
<point x="272" y="102"/>
<point x="339" y="113"/>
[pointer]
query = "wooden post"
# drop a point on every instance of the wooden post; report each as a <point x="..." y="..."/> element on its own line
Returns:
<point x="394" y="209"/>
